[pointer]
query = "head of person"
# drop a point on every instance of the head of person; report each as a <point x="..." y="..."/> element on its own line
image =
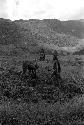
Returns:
<point x="55" y="53"/>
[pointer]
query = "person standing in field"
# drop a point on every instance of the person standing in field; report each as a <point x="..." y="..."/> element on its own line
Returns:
<point x="56" y="67"/>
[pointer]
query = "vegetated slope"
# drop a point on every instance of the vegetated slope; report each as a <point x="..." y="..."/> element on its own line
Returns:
<point x="71" y="27"/>
<point x="28" y="34"/>
<point x="76" y="27"/>
<point x="13" y="37"/>
<point x="43" y="31"/>
<point x="79" y="48"/>
<point x="79" y="52"/>
<point x="9" y="32"/>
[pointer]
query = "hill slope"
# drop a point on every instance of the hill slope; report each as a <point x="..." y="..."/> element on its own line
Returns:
<point x="52" y="31"/>
<point x="33" y="33"/>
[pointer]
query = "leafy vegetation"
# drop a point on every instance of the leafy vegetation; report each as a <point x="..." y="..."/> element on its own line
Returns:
<point x="40" y="101"/>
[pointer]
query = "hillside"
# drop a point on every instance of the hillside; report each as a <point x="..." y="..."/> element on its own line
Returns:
<point x="71" y="27"/>
<point x="51" y="31"/>
<point x="30" y="34"/>
<point x="13" y="38"/>
<point x="9" y="32"/>
<point x="75" y="27"/>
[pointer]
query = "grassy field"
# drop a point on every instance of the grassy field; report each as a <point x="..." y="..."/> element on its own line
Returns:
<point x="44" y="104"/>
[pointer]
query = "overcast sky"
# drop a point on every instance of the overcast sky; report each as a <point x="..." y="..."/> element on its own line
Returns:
<point x="40" y="9"/>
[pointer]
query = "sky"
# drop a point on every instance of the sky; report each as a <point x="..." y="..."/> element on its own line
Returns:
<point x="42" y="9"/>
